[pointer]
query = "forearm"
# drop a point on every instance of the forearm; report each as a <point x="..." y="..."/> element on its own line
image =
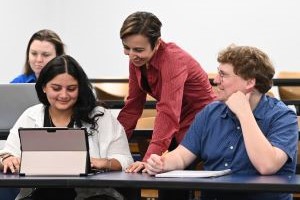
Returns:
<point x="173" y="162"/>
<point x="178" y="159"/>
<point x="113" y="165"/>
<point x="109" y="164"/>
<point x="265" y="158"/>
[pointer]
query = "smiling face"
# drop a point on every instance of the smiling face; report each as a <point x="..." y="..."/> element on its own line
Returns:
<point x="40" y="53"/>
<point x="138" y="49"/>
<point x="228" y="82"/>
<point x="62" y="92"/>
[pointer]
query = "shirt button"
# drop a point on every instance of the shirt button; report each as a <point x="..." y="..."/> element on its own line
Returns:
<point x="231" y="147"/>
<point x="226" y="164"/>
<point x="238" y="128"/>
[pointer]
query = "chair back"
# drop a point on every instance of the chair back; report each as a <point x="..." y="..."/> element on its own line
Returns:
<point x="289" y="92"/>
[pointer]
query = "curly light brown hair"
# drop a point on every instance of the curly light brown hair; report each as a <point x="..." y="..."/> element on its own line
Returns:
<point x="249" y="62"/>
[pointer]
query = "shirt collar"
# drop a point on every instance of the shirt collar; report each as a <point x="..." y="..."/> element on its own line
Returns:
<point x="157" y="56"/>
<point x="261" y="107"/>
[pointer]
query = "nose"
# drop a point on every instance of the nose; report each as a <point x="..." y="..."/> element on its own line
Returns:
<point x="39" y="58"/>
<point x="131" y="54"/>
<point x="64" y="93"/>
<point x="126" y="52"/>
<point x="217" y="79"/>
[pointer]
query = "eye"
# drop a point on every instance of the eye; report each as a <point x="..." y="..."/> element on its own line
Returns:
<point x="72" y="88"/>
<point x="125" y="47"/>
<point x="139" y="50"/>
<point x="56" y="88"/>
<point x="46" y="54"/>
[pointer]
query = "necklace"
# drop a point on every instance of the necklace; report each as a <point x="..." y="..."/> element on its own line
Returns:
<point x="70" y="124"/>
<point x="50" y="120"/>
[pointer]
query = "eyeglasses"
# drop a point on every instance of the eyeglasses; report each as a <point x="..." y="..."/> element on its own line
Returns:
<point x="224" y="75"/>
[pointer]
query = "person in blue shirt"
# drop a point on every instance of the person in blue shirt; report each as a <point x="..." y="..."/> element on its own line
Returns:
<point x="244" y="130"/>
<point x="42" y="47"/>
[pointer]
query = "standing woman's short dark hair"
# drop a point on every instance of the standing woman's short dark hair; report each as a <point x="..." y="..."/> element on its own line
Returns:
<point x="143" y="23"/>
<point x="86" y="101"/>
<point x="44" y="35"/>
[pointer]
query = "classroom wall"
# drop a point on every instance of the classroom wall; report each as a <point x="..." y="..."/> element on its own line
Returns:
<point x="90" y="30"/>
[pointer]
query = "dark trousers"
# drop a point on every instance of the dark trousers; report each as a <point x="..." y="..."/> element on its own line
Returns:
<point x="9" y="193"/>
<point x="130" y="194"/>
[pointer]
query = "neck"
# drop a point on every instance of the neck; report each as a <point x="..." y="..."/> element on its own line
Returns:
<point x="254" y="99"/>
<point x="60" y="118"/>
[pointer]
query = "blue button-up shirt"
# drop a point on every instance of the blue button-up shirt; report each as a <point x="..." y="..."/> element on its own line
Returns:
<point x="24" y="78"/>
<point x="216" y="138"/>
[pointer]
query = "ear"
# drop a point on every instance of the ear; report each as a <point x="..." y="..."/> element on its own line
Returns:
<point x="251" y="84"/>
<point x="157" y="44"/>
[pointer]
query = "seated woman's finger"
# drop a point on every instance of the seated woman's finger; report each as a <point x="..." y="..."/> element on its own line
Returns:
<point x="16" y="164"/>
<point x="11" y="167"/>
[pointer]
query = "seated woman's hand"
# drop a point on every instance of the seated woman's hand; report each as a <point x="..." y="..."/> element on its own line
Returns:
<point x="135" y="167"/>
<point x="11" y="164"/>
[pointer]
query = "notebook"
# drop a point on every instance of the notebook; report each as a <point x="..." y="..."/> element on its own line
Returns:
<point x="53" y="151"/>
<point x="14" y="99"/>
<point x="193" y="173"/>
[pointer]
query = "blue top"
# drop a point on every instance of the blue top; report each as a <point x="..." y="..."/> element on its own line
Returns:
<point x="24" y="78"/>
<point x="216" y="138"/>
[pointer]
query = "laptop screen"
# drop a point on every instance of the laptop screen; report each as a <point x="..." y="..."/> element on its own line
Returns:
<point x="54" y="151"/>
<point x="15" y="99"/>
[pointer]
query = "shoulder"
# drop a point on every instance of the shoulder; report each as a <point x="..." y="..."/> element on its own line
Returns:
<point x="106" y="114"/>
<point x="107" y="121"/>
<point x="217" y="107"/>
<point x="172" y="50"/>
<point x="98" y="109"/>
<point x="277" y="106"/>
<point x="35" y="110"/>
<point x="32" y="116"/>
<point x="212" y="111"/>
<point x="24" y="78"/>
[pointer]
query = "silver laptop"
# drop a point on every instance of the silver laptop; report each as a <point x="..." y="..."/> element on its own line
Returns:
<point x="14" y="99"/>
<point x="54" y="151"/>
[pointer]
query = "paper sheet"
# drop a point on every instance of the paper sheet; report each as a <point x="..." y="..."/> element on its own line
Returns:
<point x="193" y="173"/>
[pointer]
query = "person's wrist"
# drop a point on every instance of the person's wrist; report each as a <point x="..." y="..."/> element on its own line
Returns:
<point x="108" y="164"/>
<point x="2" y="158"/>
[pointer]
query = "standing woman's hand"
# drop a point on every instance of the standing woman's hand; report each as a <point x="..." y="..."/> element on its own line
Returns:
<point x="135" y="167"/>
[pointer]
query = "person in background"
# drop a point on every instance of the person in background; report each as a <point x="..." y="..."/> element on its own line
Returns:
<point x="67" y="100"/>
<point x="245" y="130"/>
<point x="168" y="74"/>
<point x="42" y="47"/>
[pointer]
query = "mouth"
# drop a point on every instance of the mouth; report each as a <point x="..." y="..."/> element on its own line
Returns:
<point x="138" y="62"/>
<point x="63" y="102"/>
<point x="39" y="67"/>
